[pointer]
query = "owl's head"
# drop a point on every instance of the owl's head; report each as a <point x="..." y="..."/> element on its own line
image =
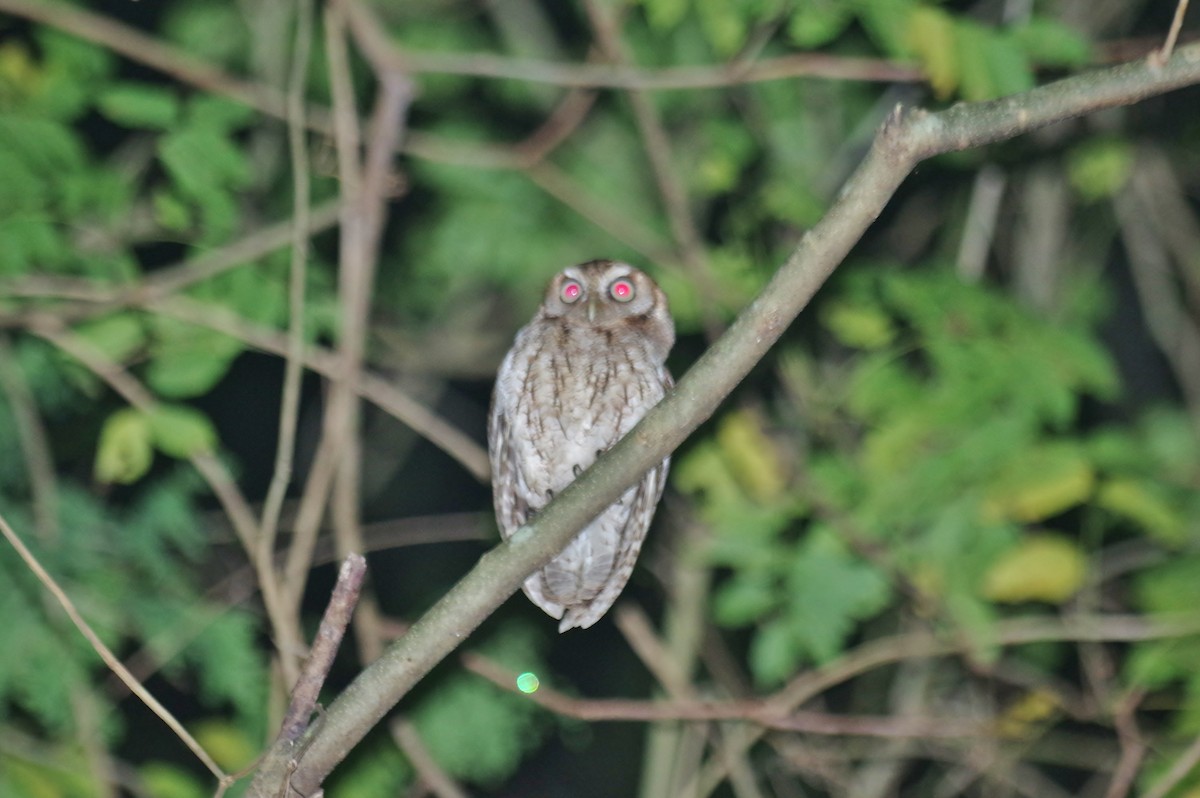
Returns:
<point x="608" y="294"/>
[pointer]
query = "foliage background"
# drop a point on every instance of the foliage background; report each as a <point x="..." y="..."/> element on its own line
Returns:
<point x="988" y="418"/>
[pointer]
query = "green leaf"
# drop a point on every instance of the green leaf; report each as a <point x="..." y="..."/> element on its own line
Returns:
<point x="214" y="31"/>
<point x="744" y="599"/>
<point x="1051" y="43"/>
<point x="829" y="591"/>
<point x="230" y="664"/>
<point x="162" y="780"/>
<point x="1142" y="502"/>
<point x="818" y="22"/>
<point x="218" y="114"/>
<point x="1172" y="587"/>
<point x="502" y="727"/>
<point x="124" y="452"/>
<point x="992" y="65"/>
<point x="170" y="212"/>
<point x="140" y="105"/>
<point x="374" y="769"/>
<point x="182" y="431"/>
<point x="888" y="24"/>
<point x="664" y="15"/>
<point x="774" y="652"/>
<point x="188" y="360"/>
<point x="202" y="160"/>
<point x="117" y="336"/>
<point x="1100" y="167"/>
<point x="724" y="23"/>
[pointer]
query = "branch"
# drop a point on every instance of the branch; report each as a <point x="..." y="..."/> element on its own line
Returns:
<point x="105" y="653"/>
<point x="779" y="710"/>
<point x="905" y="139"/>
<point x="325" y="646"/>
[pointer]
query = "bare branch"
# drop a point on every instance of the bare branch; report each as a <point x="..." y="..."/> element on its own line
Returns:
<point x="289" y="410"/>
<point x="325" y="646"/>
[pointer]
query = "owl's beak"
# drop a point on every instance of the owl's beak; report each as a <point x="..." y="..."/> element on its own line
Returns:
<point x="591" y="310"/>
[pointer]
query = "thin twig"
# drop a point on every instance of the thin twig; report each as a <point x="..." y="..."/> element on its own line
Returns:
<point x="185" y="67"/>
<point x="1016" y="631"/>
<point x="1133" y="747"/>
<point x="364" y="192"/>
<point x="1180" y="769"/>
<point x="646" y="644"/>
<point x="324" y="648"/>
<point x="673" y="749"/>
<point x="658" y="150"/>
<point x="777" y="710"/>
<point x="98" y="298"/>
<point x="611" y="76"/>
<point x="754" y="711"/>
<point x="381" y="392"/>
<point x="289" y="411"/>
<point x="1159" y="57"/>
<point x="110" y="659"/>
<point x="1172" y="328"/>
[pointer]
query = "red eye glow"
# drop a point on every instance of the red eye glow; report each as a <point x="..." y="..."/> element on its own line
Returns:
<point x="621" y="290"/>
<point x="570" y="291"/>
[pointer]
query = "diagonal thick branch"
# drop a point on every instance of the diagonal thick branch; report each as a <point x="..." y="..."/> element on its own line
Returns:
<point x="905" y="139"/>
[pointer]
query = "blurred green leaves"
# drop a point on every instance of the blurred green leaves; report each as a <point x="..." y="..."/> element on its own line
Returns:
<point x="951" y="459"/>
<point x="475" y="730"/>
<point x="930" y="456"/>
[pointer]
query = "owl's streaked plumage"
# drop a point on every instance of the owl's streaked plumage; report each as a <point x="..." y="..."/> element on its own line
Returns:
<point x="578" y="377"/>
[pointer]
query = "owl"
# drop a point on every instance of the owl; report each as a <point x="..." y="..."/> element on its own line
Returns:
<point x="578" y="377"/>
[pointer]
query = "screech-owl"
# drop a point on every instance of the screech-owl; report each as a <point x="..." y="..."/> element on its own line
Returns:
<point x="578" y="377"/>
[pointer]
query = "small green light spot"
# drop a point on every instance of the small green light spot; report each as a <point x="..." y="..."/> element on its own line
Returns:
<point x="527" y="682"/>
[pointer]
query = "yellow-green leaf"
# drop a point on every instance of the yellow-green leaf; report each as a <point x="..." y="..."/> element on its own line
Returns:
<point x="1041" y="568"/>
<point x="753" y="457"/>
<point x="125" y="452"/>
<point x="168" y="781"/>
<point x="931" y="36"/>
<point x="1028" y="715"/>
<point x="1137" y="501"/>
<point x="230" y="746"/>
<point x="182" y="431"/>
<point x="858" y="325"/>
<point x="1041" y="484"/>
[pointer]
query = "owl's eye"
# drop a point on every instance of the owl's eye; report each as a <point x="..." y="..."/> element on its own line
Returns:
<point x="622" y="289"/>
<point x="571" y="290"/>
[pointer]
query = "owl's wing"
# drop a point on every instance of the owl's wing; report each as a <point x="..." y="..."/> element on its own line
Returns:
<point x="642" y="504"/>
<point x="645" y="501"/>
<point x="512" y="511"/>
